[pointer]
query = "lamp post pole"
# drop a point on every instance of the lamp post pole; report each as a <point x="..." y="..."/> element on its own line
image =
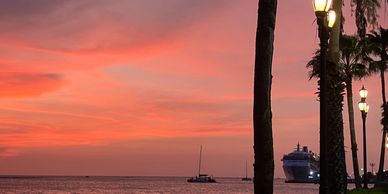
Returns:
<point x="324" y="37"/>
<point x="364" y="107"/>
<point x="325" y="20"/>
<point x="363" y="114"/>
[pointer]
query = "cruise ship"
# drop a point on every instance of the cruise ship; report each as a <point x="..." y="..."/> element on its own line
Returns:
<point x="301" y="166"/>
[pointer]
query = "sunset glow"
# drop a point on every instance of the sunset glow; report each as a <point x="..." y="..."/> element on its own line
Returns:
<point x="134" y="87"/>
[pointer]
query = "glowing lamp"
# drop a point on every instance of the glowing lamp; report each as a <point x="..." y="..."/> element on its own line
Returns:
<point x="363" y="106"/>
<point x="321" y="5"/>
<point x="331" y="18"/>
<point x="386" y="141"/>
<point x="363" y="92"/>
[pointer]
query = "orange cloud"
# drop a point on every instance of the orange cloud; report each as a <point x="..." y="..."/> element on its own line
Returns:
<point x="15" y="84"/>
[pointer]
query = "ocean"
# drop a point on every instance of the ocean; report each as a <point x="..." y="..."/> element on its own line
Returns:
<point x="138" y="185"/>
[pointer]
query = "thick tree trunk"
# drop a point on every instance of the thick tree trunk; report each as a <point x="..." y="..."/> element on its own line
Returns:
<point x="262" y="115"/>
<point x="353" y="141"/>
<point x="337" y="167"/>
<point x="382" y="148"/>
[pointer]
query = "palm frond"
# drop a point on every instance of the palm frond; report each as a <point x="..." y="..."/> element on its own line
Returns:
<point x="313" y="65"/>
<point x="376" y="44"/>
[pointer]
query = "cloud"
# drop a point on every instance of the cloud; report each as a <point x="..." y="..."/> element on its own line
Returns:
<point x="51" y="122"/>
<point x="8" y="152"/>
<point x="23" y="134"/>
<point x="175" y="73"/>
<point x="99" y="25"/>
<point x="62" y="36"/>
<point x="14" y="84"/>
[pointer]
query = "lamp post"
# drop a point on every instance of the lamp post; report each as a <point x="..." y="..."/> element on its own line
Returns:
<point x="325" y="20"/>
<point x="364" y="107"/>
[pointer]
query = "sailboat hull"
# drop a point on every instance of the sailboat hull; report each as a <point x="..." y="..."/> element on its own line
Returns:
<point x="202" y="179"/>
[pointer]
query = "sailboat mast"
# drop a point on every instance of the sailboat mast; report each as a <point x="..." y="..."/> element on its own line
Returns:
<point x="200" y="158"/>
<point x="246" y="169"/>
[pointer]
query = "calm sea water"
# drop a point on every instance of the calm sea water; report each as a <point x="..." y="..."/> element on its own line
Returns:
<point x="138" y="185"/>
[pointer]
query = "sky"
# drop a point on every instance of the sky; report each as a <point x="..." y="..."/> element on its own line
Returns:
<point x="135" y="87"/>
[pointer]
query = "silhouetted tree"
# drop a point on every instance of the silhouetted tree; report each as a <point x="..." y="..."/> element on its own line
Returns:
<point x="350" y="67"/>
<point x="351" y="56"/>
<point x="337" y="166"/>
<point x="262" y="115"/>
<point x="337" y="176"/>
<point x="377" y="45"/>
<point x="365" y="13"/>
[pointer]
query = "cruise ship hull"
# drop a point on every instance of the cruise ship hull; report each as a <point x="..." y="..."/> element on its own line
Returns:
<point x="300" y="174"/>
<point x="301" y="166"/>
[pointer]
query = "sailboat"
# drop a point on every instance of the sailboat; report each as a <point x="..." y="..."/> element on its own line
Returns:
<point x="246" y="178"/>
<point x="201" y="178"/>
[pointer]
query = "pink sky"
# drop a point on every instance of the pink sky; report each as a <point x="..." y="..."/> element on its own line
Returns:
<point x="134" y="87"/>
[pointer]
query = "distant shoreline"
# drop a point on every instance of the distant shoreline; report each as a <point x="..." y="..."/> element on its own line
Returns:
<point x="107" y="176"/>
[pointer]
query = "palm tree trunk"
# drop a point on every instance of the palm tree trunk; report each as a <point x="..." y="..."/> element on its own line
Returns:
<point x="360" y="19"/>
<point x="337" y="167"/>
<point x="349" y="95"/>
<point x="382" y="156"/>
<point x="262" y="115"/>
<point x="382" y="148"/>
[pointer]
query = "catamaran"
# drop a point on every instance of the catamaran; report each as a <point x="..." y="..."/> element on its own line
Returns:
<point x="201" y="178"/>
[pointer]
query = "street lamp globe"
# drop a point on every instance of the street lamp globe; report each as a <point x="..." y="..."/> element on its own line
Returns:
<point x="363" y="106"/>
<point x="331" y="18"/>
<point x="363" y="92"/>
<point x="322" y="5"/>
<point x="386" y="142"/>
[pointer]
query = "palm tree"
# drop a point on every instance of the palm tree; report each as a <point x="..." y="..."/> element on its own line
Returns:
<point x="262" y="115"/>
<point x="349" y="68"/>
<point x="350" y="60"/>
<point x="377" y="44"/>
<point x="337" y="175"/>
<point x="337" y="167"/>
<point x="366" y="13"/>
